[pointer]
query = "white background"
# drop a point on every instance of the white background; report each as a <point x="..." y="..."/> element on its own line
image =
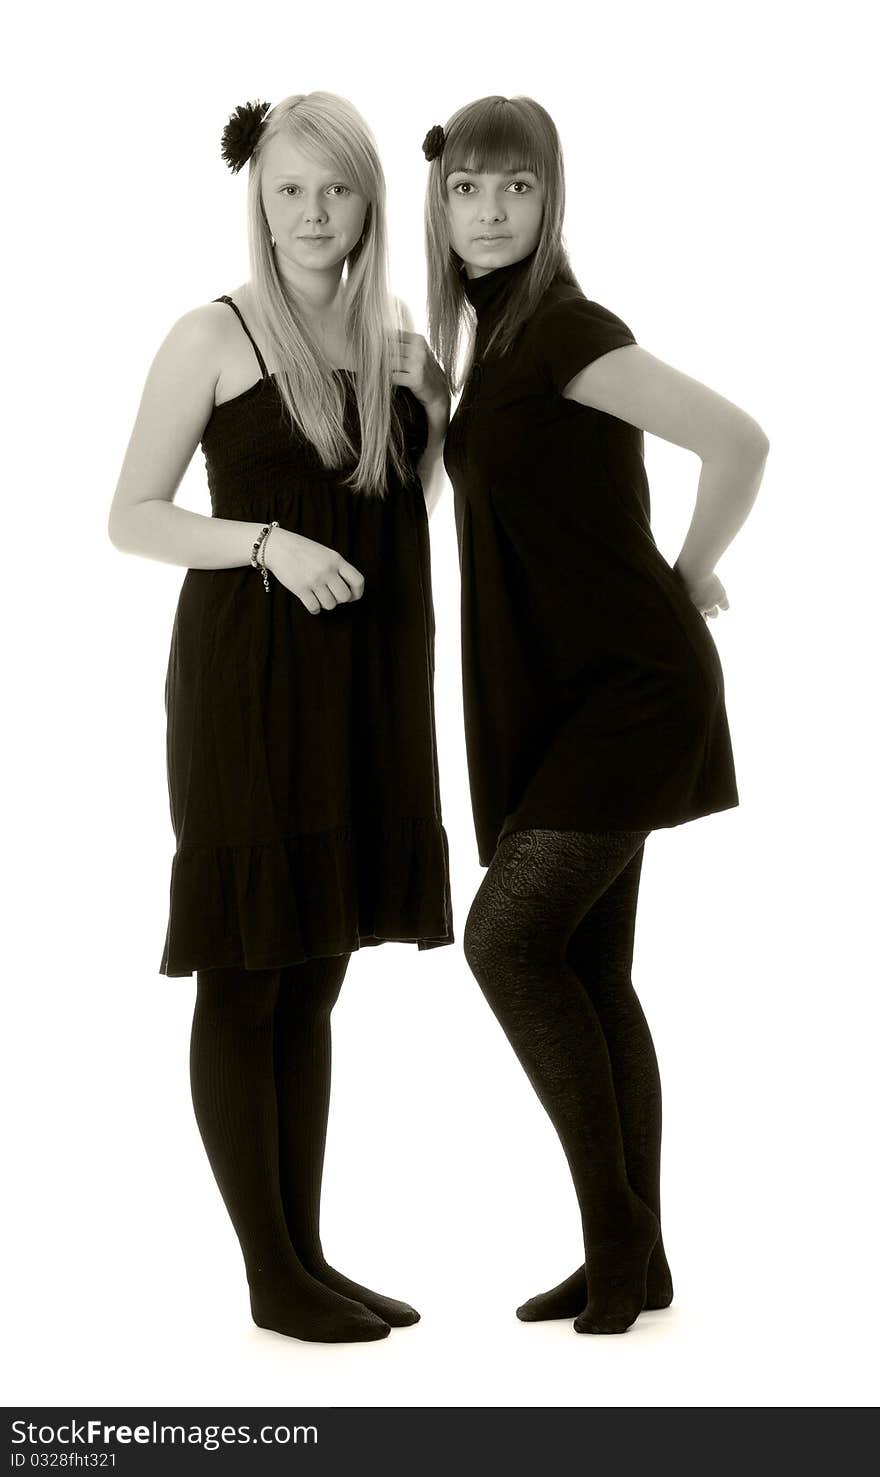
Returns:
<point x="718" y="161"/>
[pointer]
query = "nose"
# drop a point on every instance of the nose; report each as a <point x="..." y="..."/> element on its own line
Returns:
<point x="315" y="212"/>
<point x="493" y="210"/>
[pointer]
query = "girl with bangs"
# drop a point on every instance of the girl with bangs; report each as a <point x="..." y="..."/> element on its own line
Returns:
<point x="594" y="695"/>
<point x="302" y="765"/>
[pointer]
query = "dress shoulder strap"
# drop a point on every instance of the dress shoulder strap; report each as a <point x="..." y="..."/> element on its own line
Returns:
<point x="234" y="306"/>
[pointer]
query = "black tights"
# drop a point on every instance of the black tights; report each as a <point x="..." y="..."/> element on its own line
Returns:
<point x="550" y="940"/>
<point x="260" y="1075"/>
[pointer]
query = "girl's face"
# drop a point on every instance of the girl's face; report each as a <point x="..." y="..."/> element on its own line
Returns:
<point x="494" y="219"/>
<point x="315" y="214"/>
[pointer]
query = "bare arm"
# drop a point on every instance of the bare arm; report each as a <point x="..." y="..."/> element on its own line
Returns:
<point x="175" y="407"/>
<point x="431" y="464"/>
<point x="419" y="370"/>
<point x="633" y="385"/>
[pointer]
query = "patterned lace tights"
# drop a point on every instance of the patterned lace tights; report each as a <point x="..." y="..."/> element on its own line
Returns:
<point x="550" y="939"/>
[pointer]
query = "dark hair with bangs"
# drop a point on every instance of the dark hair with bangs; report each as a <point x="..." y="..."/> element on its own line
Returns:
<point x="493" y="135"/>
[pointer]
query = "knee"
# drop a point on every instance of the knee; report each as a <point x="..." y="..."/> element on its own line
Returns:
<point x="311" y="989"/>
<point x="606" y="987"/>
<point x="501" y="945"/>
<point x="477" y="944"/>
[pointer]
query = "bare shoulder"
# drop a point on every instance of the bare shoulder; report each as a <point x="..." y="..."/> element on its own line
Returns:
<point x="204" y="328"/>
<point x="200" y="348"/>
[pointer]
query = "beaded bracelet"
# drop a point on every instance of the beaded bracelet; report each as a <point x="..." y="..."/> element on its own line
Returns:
<point x="258" y="557"/>
<point x="262" y="557"/>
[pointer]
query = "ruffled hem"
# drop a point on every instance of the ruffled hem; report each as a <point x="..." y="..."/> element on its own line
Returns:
<point x="269" y="905"/>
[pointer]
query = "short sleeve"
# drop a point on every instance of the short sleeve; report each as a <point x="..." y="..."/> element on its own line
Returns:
<point x="570" y="333"/>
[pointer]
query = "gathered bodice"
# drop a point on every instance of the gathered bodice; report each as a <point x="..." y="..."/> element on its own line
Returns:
<point x="259" y="466"/>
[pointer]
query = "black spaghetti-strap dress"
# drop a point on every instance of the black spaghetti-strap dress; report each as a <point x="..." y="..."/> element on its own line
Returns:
<point x="301" y="751"/>
<point x="593" y="690"/>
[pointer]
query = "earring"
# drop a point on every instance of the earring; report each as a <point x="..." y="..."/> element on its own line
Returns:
<point x="272" y="239"/>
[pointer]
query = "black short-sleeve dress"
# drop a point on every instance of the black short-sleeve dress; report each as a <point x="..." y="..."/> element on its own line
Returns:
<point x="301" y="753"/>
<point x="593" y="690"/>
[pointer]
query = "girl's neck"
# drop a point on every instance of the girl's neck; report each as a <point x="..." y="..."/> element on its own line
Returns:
<point x="318" y="294"/>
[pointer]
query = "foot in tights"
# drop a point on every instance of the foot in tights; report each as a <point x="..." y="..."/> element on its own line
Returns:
<point x="306" y="998"/>
<point x="233" y="1090"/>
<point x="601" y="953"/>
<point x="538" y="888"/>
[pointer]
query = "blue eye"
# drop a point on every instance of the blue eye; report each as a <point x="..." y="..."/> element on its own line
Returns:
<point x="344" y="188"/>
<point x="525" y="184"/>
<point x="464" y="184"/>
<point x="285" y="188"/>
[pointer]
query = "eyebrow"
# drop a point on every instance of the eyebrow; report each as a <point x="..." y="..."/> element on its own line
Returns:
<point x="296" y="179"/>
<point x="520" y="169"/>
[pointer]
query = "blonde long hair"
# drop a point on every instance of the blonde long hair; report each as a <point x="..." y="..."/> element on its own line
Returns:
<point x="492" y="135"/>
<point x="313" y="396"/>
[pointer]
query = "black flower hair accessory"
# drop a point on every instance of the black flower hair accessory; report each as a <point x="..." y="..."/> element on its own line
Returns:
<point x="432" y="144"/>
<point x="241" y="133"/>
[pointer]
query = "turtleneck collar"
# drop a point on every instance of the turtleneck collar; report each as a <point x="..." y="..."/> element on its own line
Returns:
<point x="490" y="291"/>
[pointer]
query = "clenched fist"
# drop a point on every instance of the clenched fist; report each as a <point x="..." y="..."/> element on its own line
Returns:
<point x="318" y="576"/>
<point x="706" y="591"/>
